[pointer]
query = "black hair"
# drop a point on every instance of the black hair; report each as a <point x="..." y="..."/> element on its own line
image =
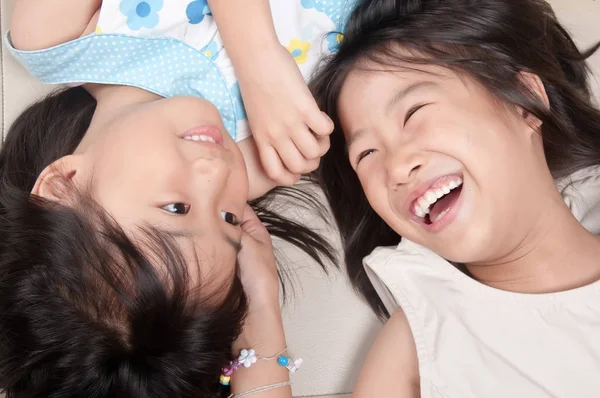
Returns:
<point x="491" y="41"/>
<point x="85" y="311"/>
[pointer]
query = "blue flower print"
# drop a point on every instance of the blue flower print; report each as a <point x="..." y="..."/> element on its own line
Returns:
<point x="333" y="41"/>
<point x="196" y="11"/>
<point x="211" y="50"/>
<point x="309" y="4"/>
<point x="240" y="110"/>
<point x="141" y="13"/>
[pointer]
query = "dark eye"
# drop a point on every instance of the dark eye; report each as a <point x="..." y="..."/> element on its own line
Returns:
<point x="412" y="111"/>
<point x="229" y="218"/>
<point x="363" y="155"/>
<point x="179" y="209"/>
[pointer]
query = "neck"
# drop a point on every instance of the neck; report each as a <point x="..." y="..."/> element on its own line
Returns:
<point x="557" y="254"/>
<point x="112" y="100"/>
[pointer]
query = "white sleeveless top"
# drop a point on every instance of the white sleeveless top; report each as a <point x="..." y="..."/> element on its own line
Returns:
<point x="475" y="341"/>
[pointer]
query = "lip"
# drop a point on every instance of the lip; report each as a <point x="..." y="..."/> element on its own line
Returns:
<point x="208" y="130"/>
<point x="420" y="190"/>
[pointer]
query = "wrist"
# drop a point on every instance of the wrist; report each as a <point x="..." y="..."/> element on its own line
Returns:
<point x="248" y="65"/>
<point x="263" y="331"/>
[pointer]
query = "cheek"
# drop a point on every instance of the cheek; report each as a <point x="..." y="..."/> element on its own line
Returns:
<point x="373" y="184"/>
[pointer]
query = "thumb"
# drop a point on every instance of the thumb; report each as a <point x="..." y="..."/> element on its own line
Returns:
<point x="253" y="227"/>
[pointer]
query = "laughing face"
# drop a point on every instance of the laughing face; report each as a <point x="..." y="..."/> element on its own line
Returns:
<point x="443" y="162"/>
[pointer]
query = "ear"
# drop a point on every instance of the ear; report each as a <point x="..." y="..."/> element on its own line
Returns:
<point x="535" y="86"/>
<point x="56" y="181"/>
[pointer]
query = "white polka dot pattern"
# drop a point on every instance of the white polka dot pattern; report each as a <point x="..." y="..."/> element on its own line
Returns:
<point x="172" y="48"/>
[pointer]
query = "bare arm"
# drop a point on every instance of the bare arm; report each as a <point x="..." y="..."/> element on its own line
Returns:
<point x="289" y="130"/>
<point x="263" y="327"/>
<point x="391" y="368"/>
<point x="251" y="20"/>
<point x="260" y="183"/>
<point x="39" y="24"/>
<point x="267" y="336"/>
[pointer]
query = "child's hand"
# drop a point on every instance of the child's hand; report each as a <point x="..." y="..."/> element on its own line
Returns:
<point x="290" y="131"/>
<point x="258" y="269"/>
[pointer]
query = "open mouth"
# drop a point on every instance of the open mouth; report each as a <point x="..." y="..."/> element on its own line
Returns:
<point x="204" y="134"/>
<point x="432" y="206"/>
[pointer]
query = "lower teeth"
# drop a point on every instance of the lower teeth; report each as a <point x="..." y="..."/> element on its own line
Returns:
<point x="442" y="214"/>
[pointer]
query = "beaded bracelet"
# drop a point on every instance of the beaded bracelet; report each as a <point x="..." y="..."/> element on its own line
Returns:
<point x="261" y="389"/>
<point x="248" y="358"/>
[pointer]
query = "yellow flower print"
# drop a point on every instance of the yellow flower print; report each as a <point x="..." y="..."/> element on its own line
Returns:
<point x="98" y="30"/>
<point x="299" y="50"/>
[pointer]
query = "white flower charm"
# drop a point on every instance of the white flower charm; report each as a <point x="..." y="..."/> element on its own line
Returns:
<point x="293" y="367"/>
<point x="247" y="357"/>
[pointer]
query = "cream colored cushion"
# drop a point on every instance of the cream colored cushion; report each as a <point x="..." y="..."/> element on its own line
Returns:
<point x="326" y="323"/>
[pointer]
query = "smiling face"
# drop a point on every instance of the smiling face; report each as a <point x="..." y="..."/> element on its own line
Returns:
<point x="169" y="164"/>
<point x="441" y="161"/>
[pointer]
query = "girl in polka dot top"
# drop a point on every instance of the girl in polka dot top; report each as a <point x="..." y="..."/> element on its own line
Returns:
<point x="129" y="256"/>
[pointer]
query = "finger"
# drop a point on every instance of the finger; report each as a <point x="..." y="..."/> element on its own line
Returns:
<point x="306" y="143"/>
<point x="319" y="122"/>
<point x="311" y="165"/>
<point x="274" y="167"/>
<point x="324" y="144"/>
<point x="253" y="227"/>
<point x="291" y="156"/>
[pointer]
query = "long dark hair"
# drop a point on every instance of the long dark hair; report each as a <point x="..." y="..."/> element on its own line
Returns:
<point x="87" y="312"/>
<point x="488" y="40"/>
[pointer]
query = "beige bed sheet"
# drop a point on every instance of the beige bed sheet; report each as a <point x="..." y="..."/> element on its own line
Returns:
<point x="325" y="322"/>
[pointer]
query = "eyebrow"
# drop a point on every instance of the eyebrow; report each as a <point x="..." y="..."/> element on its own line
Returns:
<point x="399" y="96"/>
<point x="235" y="244"/>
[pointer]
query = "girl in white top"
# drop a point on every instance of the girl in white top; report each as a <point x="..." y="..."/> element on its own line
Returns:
<point x="453" y="121"/>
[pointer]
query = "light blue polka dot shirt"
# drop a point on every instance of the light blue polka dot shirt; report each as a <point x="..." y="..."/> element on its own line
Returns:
<point x="172" y="48"/>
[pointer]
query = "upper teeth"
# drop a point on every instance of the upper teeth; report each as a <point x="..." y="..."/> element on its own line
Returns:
<point x="424" y="203"/>
<point x="203" y="138"/>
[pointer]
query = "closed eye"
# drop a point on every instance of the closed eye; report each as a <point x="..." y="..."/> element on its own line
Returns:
<point x="412" y="111"/>
<point x="363" y="155"/>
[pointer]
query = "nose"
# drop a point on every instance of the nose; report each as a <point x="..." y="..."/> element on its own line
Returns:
<point x="211" y="174"/>
<point x="401" y="166"/>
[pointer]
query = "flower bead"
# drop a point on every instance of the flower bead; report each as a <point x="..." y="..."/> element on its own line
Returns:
<point x="247" y="357"/>
<point x="299" y="50"/>
<point x="293" y="367"/>
<point x="141" y="13"/>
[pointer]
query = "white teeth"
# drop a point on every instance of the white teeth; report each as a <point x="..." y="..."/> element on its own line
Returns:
<point x="202" y="138"/>
<point x="422" y="206"/>
<point x="442" y="214"/>
<point x="430" y="196"/>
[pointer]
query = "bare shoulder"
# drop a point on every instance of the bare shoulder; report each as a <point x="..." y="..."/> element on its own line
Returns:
<point x="391" y="368"/>
<point x="39" y="24"/>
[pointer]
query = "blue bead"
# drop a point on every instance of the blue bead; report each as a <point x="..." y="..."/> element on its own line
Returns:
<point x="283" y="360"/>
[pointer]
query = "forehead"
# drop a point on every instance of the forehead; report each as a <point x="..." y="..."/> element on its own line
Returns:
<point x="376" y="76"/>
